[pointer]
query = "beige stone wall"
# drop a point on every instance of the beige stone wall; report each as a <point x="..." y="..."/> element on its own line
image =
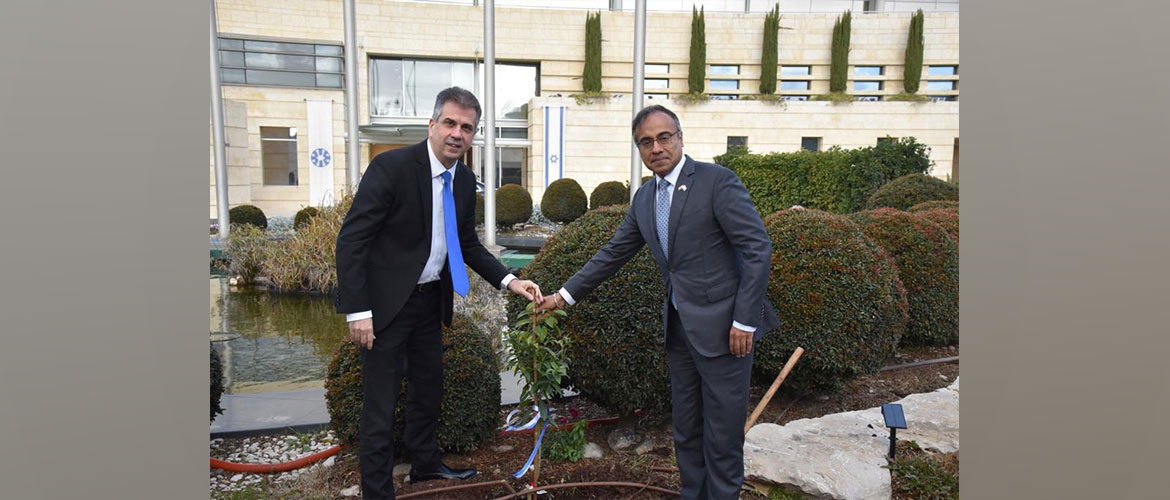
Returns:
<point x="235" y="118"/>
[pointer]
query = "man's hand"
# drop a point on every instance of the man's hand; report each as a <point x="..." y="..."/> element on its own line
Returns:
<point x="361" y="332"/>
<point x="526" y="289"/>
<point x="550" y="302"/>
<point x="741" y="342"/>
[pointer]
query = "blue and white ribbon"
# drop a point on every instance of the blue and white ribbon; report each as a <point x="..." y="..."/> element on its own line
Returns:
<point x="535" y="449"/>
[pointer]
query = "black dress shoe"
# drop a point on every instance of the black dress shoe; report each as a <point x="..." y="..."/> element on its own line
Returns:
<point x="443" y="472"/>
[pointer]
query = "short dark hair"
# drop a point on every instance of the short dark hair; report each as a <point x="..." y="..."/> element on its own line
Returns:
<point x="461" y="97"/>
<point x="657" y="108"/>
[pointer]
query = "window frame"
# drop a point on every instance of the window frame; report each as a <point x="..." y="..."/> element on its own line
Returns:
<point x="244" y="45"/>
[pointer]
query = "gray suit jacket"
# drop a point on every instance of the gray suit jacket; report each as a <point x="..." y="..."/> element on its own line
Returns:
<point x="720" y="256"/>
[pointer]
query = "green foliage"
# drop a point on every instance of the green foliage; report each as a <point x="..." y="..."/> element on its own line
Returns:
<point x="923" y="476"/>
<point x="771" y="51"/>
<point x="911" y="189"/>
<point x="928" y="264"/>
<point x="513" y="205"/>
<point x="248" y="214"/>
<point x="303" y="215"/>
<point x="837" y="97"/>
<point x="584" y="98"/>
<point x="913" y="61"/>
<point x="948" y="218"/>
<point x="618" y="360"/>
<point x="609" y="193"/>
<point x="216" y="383"/>
<point x="306" y="261"/>
<point x="563" y="201"/>
<point x="470" y="409"/>
<point x="697" y="70"/>
<point x="836" y="180"/>
<point x="839" y="66"/>
<point x="478" y="208"/>
<point x="245" y="251"/>
<point x="690" y="98"/>
<point x="567" y="445"/>
<point x="839" y="296"/>
<point x="779" y="492"/>
<point x="933" y="204"/>
<point x="591" y="78"/>
<point x="908" y="97"/>
<point x="537" y="352"/>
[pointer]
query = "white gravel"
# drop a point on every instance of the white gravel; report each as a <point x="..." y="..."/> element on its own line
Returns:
<point x="270" y="449"/>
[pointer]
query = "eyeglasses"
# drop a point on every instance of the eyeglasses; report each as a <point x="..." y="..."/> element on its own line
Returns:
<point x="664" y="139"/>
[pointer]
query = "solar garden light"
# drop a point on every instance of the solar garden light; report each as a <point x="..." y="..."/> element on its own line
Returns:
<point x="895" y="420"/>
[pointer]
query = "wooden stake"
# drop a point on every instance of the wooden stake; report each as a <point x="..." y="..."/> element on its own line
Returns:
<point x="772" y="390"/>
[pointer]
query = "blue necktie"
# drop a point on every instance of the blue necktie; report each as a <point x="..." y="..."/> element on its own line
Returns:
<point x="662" y="215"/>
<point x="451" y="229"/>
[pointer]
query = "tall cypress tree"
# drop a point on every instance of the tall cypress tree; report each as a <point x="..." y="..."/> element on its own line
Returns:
<point x="839" y="70"/>
<point x="771" y="49"/>
<point x="697" y="71"/>
<point x="591" y="78"/>
<point x="914" y="44"/>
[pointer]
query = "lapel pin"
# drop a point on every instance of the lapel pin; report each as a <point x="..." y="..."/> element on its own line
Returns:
<point x="682" y="188"/>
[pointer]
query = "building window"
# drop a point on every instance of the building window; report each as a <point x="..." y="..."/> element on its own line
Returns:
<point x="655" y="96"/>
<point x="407" y="87"/>
<point x="868" y="70"/>
<point x="724" y="97"/>
<point x="656" y="69"/>
<point x="794" y="98"/>
<point x="795" y="70"/>
<point x="810" y="143"/>
<point x="942" y="70"/>
<point x="724" y="84"/>
<point x="283" y="64"/>
<point x="278" y="148"/>
<point x="736" y="142"/>
<point x="656" y="83"/>
<point x="512" y="165"/>
<point x="869" y="85"/>
<point x="794" y="85"/>
<point x="941" y="98"/>
<point x="940" y="85"/>
<point x="867" y="98"/>
<point x="887" y="140"/>
<point x="723" y="70"/>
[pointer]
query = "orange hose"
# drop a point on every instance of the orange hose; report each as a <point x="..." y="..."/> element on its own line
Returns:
<point x="276" y="467"/>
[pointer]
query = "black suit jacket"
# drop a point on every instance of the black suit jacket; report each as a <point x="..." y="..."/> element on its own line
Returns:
<point x="385" y="240"/>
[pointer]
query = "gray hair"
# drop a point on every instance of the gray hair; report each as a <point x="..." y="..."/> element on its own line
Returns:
<point x="461" y="97"/>
<point x="657" y="108"/>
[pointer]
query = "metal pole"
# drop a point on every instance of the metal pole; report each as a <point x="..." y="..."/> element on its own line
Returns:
<point x="639" y="81"/>
<point x="221" y="177"/>
<point x="353" y="148"/>
<point x="489" y="128"/>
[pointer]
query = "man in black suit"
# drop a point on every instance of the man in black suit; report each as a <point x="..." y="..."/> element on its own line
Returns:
<point x="400" y="255"/>
<point x="715" y="259"/>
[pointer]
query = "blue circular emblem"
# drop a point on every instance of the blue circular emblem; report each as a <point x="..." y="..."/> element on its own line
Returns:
<point x="319" y="157"/>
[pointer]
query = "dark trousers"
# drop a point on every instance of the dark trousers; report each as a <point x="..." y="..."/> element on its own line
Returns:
<point x="709" y="398"/>
<point x="412" y="345"/>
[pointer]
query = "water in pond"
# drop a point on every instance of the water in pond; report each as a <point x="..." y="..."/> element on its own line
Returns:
<point x="273" y="342"/>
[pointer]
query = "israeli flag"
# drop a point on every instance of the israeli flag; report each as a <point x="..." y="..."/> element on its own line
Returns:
<point x="321" y="163"/>
<point x="554" y="143"/>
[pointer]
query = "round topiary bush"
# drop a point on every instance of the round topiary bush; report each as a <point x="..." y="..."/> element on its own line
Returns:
<point x="248" y="214"/>
<point x="564" y="201"/>
<point x="216" y="383"/>
<point x="303" y="215"/>
<point x="609" y="193"/>
<point x="928" y="264"/>
<point x="912" y="189"/>
<point x="839" y="297"/>
<point x="470" y="411"/>
<point x="617" y="356"/>
<point x="931" y="205"/>
<point x="945" y="217"/>
<point x="513" y="205"/>
<point x="478" y="208"/>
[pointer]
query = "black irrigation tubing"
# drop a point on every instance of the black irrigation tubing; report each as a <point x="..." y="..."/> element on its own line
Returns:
<point x="919" y="363"/>
<point x="529" y="491"/>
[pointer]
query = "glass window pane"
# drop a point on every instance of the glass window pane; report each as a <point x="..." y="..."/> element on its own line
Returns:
<point x="657" y="69"/>
<point x="231" y="43"/>
<point x="724" y="70"/>
<point x="795" y="70"/>
<point x="867" y="98"/>
<point x="299" y="48"/>
<point x="425" y="79"/>
<point x="724" y="84"/>
<point x="655" y="96"/>
<point x="794" y="97"/>
<point x="867" y="70"/>
<point x="513" y="133"/>
<point x="810" y="143"/>
<point x="512" y="166"/>
<point x="942" y="70"/>
<point x="724" y="97"/>
<point x="794" y="85"/>
<point x="867" y="85"/>
<point x="941" y="85"/>
<point x="231" y="75"/>
<point x="328" y="50"/>
<point x="277" y="61"/>
<point x="278" y="157"/>
<point x="330" y="64"/>
<point x="515" y="86"/>
<point x="656" y="83"/>
<point x="329" y="81"/>
<point x="261" y="77"/>
<point x="386" y="87"/>
<point x="229" y="58"/>
<point x="938" y="98"/>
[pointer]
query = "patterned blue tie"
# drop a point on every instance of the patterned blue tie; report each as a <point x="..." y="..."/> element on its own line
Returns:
<point x="662" y="215"/>
<point x="451" y="229"/>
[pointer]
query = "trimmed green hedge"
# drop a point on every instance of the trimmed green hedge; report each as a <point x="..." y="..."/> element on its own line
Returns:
<point x="470" y="411"/>
<point x="609" y="193"/>
<point x="563" y="201"/>
<point x="931" y="205"/>
<point x="216" y="383"/>
<point x="617" y="356"/>
<point x="303" y="215"/>
<point x="945" y="217"/>
<point x="839" y="297"/>
<point x="910" y="190"/>
<point x="513" y="205"/>
<point x="836" y="180"/>
<point x="928" y="264"/>
<point x="248" y="214"/>
<point x="478" y="208"/>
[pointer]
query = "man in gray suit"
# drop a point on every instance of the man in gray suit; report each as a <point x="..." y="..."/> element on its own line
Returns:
<point x="715" y="259"/>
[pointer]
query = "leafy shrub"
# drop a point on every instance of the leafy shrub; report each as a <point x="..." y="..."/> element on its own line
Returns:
<point x="917" y="474"/>
<point x="947" y="218"/>
<point x="216" y="383"/>
<point x="609" y="193"/>
<point x="248" y="214"/>
<point x="245" y="251"/>
<point x="513" y="205"/>
<point x="838" y="295"/>
<point x="303" y="215"/>
<point x="928" y="264"/>
<point x="617" y="359"/>
<point x="567" y="445"/>
<point x="470" y="411"/>
<point x="933" y="204"/>
<point x="836" y="180"/>
<point x="479" y="208"/>
<point x="912" y="189"/>
<point x="563" y="201"/>
<point x="306" y="260"/>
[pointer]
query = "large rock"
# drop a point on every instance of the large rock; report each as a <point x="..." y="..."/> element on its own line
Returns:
<point x="843" y="456"/>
